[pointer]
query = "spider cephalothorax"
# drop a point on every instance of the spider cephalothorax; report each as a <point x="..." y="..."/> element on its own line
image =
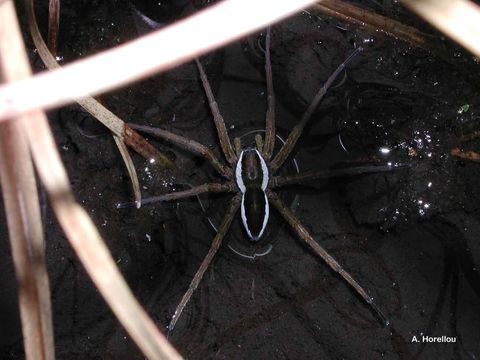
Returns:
<point x="250" y="177"/>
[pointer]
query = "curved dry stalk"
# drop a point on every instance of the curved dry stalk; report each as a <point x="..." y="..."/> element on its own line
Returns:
<point x="20" y="197"/>
<point x="127" y="159"/>
<point x="120" y="131"/>
<point x="78" y="227"/>
<point x="179" y="43"/>
<point x="97" y="110"/>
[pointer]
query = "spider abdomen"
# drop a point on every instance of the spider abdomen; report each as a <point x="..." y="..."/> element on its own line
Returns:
<point x="255" y="213"/>
<point x="252" y="176"/>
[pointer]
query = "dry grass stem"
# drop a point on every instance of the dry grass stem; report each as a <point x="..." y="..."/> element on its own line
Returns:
<point x="459" y="19"/>
<point x="26" y="239"/>
<point x="465" y="154"/>
<point x="375" y="22"/>
<point x="97" y="110"/>
<point x="20" y="197"/>
<point x="78" y="227"/>
<point x="141" y="58"/>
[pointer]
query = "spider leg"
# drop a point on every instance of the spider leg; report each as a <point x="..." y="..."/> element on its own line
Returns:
<point x="217" y="118"/>
<point x="303" y="233"/>
<point x="279" y="181"/>
<point x="186" y="144"/>
<point x="227" y="220"/>
<point x="238" y="146"/>
<point x="270" y="116"/>
<point x="194" y="191"/>
<point x="296" y="132"/>
<point x="259" y="142"/>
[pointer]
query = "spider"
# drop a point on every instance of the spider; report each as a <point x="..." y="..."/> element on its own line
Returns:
<point x="250" y="176"/>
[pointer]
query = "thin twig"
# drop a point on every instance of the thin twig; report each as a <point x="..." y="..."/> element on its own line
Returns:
<point x="354" y="14"/>
<point x="53" y="24"/>
<point x="465" y="154"/>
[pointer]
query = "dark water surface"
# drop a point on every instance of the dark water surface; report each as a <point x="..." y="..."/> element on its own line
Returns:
<point x="410" y="237"/>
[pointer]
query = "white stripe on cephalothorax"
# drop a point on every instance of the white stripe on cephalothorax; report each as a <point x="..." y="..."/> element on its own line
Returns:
<point x="238" y="176"/>
<point x="264" y="171"/>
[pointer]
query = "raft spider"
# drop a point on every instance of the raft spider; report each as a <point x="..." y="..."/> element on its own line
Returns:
<point x="250" y="175"/>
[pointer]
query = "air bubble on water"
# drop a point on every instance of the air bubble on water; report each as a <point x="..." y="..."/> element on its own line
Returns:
<point x="368" y="41"/>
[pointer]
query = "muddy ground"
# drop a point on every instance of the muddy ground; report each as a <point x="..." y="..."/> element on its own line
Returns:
<point x="410" y="237"/>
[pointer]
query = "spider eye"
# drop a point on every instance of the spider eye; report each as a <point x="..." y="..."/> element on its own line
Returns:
<point x="255" y="213"/>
